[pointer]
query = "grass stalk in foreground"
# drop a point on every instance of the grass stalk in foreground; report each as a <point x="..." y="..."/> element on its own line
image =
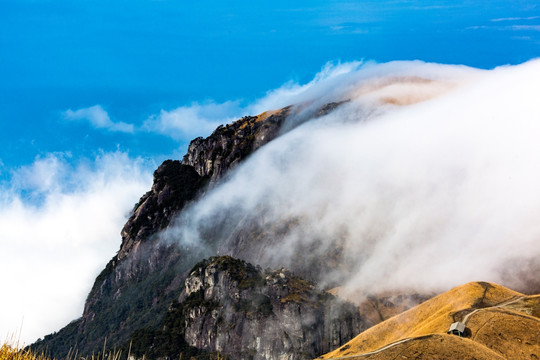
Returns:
<point x="8" y="352"/>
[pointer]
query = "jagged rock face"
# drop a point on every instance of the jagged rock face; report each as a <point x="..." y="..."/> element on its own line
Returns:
<point x="238" y="310"/>
<point x="174" y="185"/>
<point x="135" y="288"/>
<point x="230" y="144"/>
<point x="207" y="160"/>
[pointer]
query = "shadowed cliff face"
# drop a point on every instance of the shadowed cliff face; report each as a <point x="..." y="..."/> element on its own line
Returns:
<point x="148" y="273"/>
<point x="174" y="186"/>
<point x="251" y="314"/>
<point x="207" y="161"/>
<point x="138" y="284"/>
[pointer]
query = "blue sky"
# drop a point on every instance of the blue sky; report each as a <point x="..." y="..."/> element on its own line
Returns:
<point x="135" y="58"/>
<point x="95" y="94"/>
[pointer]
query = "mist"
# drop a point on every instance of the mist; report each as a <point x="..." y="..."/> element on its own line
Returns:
<point x="60" y="223"/>
<point x="426" y="178"/>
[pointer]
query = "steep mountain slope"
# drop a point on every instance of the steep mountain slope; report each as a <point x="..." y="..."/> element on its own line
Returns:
<point x="500" y="323"/>
<point x="148" y="273"/>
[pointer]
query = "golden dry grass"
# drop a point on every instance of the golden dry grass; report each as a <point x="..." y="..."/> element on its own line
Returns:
<point x="8" y="352"/>
<point x="261" y="117"/>
<point x="437" y="347"/>
<point x="513" y="334"/>
<point x="432" y="317"/>
<point x="265" y="115"/>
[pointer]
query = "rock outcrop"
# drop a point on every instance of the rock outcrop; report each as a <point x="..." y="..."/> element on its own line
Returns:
<point x="238" y="310"/>
<point x="230" y="144"/>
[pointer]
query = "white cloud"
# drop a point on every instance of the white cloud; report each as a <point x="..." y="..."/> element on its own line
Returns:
<point x="98" y="118"/>
<point x="292" y="93"/>
<point x="187" y="122"/>
<point x="443" y="178"/>
<point x="59" y="224"/>
<point x="428" y="175"/>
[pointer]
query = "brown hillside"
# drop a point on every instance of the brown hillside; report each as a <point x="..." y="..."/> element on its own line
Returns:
<point x="510" y="333"/>
<point x="506" y="324"/>
<point x="435" y="347"/>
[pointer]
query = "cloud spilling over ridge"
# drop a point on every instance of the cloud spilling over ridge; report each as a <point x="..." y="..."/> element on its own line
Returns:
<point x="333" y="83"/>
<point x="56" y="223"/>
<point x="428" y="177"/>
<point x="197" y="119"/>
<point x="186" y="122"/>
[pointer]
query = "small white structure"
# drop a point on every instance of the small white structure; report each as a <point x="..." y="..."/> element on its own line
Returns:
<point x="457" y="328"/>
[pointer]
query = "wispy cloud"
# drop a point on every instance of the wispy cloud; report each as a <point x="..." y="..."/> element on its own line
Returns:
<point x="98" y="118"/>
<point x="517" y="27"/>
<point x="349" y="28"/>
<point x="515" y="23"/>
<point x="294" y="93"/>
<point x="516" y="18"/>
<point x="479" y="27"/>
<point x="525" y="27"/>
<point x="59" y="223"/>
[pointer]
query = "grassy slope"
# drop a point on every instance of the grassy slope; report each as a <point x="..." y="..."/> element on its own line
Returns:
<point x="512" y="331"/>
<point x="437" y="347"/>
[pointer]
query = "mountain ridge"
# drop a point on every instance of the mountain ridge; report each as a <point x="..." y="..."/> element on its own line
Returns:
<point x="146" y="275"/>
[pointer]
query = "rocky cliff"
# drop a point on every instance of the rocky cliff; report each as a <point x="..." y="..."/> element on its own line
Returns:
<point x="248" y="313"/>
<point x="230" y="144"/>
<point x="138" y="284"/>
<point x="238" y="310"/>
<point x="174" y="185"/>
